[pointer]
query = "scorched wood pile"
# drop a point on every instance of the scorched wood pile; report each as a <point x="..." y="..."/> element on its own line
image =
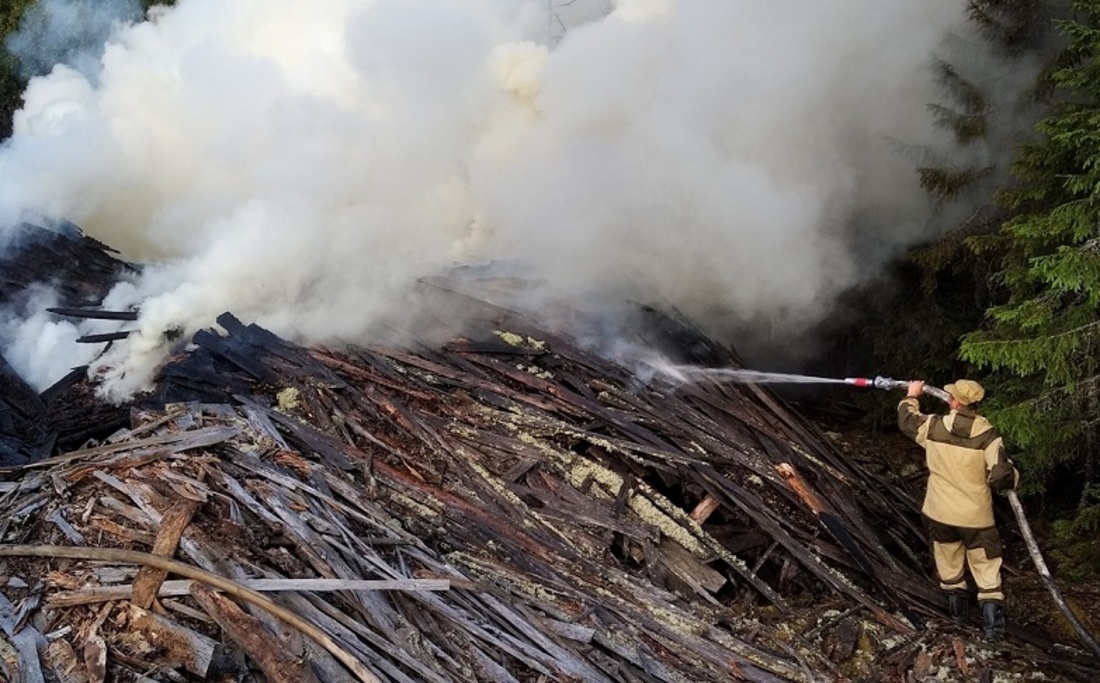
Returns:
<point x="504" y="507"/>
<point x="79" y="271"/>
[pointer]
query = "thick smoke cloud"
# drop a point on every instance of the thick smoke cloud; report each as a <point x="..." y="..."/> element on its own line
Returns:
<point x="303" y="164"/>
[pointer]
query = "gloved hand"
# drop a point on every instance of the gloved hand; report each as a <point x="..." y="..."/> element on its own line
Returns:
<point x="1004" y="477"/>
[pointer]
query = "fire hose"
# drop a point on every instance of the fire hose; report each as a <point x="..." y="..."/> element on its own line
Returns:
<point x="1017" y="509"/>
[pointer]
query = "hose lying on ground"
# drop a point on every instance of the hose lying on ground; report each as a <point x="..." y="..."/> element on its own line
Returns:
<point x="1037" y="558"/>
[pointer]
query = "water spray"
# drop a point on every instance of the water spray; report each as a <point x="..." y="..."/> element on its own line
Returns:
<point x="686" y="372"/>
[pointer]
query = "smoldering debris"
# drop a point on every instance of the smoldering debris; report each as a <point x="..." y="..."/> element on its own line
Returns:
<point x="502" y="507"/>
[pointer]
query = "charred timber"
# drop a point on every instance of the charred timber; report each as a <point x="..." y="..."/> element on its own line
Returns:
<point x="93" y="314"/>
<point x="64" y="384"/>
<point x="105" y="337"/>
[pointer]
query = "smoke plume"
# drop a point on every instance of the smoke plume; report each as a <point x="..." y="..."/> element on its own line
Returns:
<point x="70" y="32"/>
<point x="304" y="164"/>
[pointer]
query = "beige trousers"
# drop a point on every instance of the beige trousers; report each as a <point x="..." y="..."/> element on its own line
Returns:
<point x="955" y="549"/>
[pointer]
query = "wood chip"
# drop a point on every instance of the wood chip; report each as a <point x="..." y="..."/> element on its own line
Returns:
<point x="960" y="656"/>
<point x="95" y="657"/>
<point x="704" y="509"/>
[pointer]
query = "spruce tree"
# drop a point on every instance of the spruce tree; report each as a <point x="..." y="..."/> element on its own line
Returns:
<point x="1042" y="342"/>
<point x="987" y="77"/>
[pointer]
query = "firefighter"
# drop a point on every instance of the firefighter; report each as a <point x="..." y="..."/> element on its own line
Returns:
<point x="966" y="464"/>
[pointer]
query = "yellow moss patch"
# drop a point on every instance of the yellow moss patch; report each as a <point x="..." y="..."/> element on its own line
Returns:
<point x="609" y="485"/>
<point x="509" y="337"/>
<point x="289" y="398"/>
<point x="519" y="340"/>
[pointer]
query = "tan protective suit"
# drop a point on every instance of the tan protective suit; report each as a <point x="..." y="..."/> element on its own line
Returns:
<point x="964" y="454"/>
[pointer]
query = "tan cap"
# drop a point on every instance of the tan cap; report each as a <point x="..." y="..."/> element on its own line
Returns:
<point x="966" y="391"/>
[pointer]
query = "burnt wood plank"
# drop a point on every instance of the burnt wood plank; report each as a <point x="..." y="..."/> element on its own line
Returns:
<point x="250" y="635"/>
<point x="171" y="528"/>
<point x="93" y="313"/>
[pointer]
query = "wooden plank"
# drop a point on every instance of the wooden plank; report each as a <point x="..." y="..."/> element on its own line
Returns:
<point x="137" y="492"/>
<point x="312" y="439"/>
<point x="490" y="671"/>
<point x="58" y="519"/>
<point x="130" y="435"/>
<point x="565" y="629"/>
<point x="323" y="585"/>
<point x="172" y="524"/>
<point x="176" y="588"/>
<point x="119" y="531"/>
<point x="135" y="515"/>
<point x="250" y="635"/>
<point x="256" y="415"/>
<point x="701" y="578"/>
<point x="29" y="665"/>
<point x="174" y="645"/>
<point x="92" y="313"/>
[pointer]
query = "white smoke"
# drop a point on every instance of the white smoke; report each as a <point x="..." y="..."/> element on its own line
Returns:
<point x="70" y="32"/>
<point x="302" y="164"/>
<point x="42" y="347"/>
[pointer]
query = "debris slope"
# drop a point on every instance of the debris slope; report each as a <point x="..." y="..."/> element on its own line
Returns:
<point x="504" y="507"/>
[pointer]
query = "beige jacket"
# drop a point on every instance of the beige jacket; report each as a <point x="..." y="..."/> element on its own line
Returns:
<point x="961" y="451"/>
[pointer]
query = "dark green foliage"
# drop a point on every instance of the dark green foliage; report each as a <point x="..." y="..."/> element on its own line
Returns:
<point x="11" y="11"/>
<point x="966" y="127"/>
<point x="954" y="270"/>
<point x="946" y="286"/>
<point x="967" y="95"/>
<point x="949" y="183"/>
<point x="1016" y="282"/>
<point x="11" y="92"/>
<point x="1013" y="25"/>
<point x="1042" y="342"/>
<point x="11" y="84"/>
<point x="968" y="116"/>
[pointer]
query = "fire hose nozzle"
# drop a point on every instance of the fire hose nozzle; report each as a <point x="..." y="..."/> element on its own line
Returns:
<point x="879" y="382"/>
<point x="888" y="383"/>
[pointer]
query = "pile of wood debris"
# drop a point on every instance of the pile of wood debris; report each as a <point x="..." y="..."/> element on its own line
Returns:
<point x="505" y="507"/>
<point x="79" y="271"/>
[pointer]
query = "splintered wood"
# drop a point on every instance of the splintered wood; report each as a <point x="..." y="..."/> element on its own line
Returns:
<point x="508" y="509"/>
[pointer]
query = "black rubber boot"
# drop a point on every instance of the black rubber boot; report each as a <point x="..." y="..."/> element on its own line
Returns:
<point x="993" y="620"/>
<point x="958" y="606"/>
